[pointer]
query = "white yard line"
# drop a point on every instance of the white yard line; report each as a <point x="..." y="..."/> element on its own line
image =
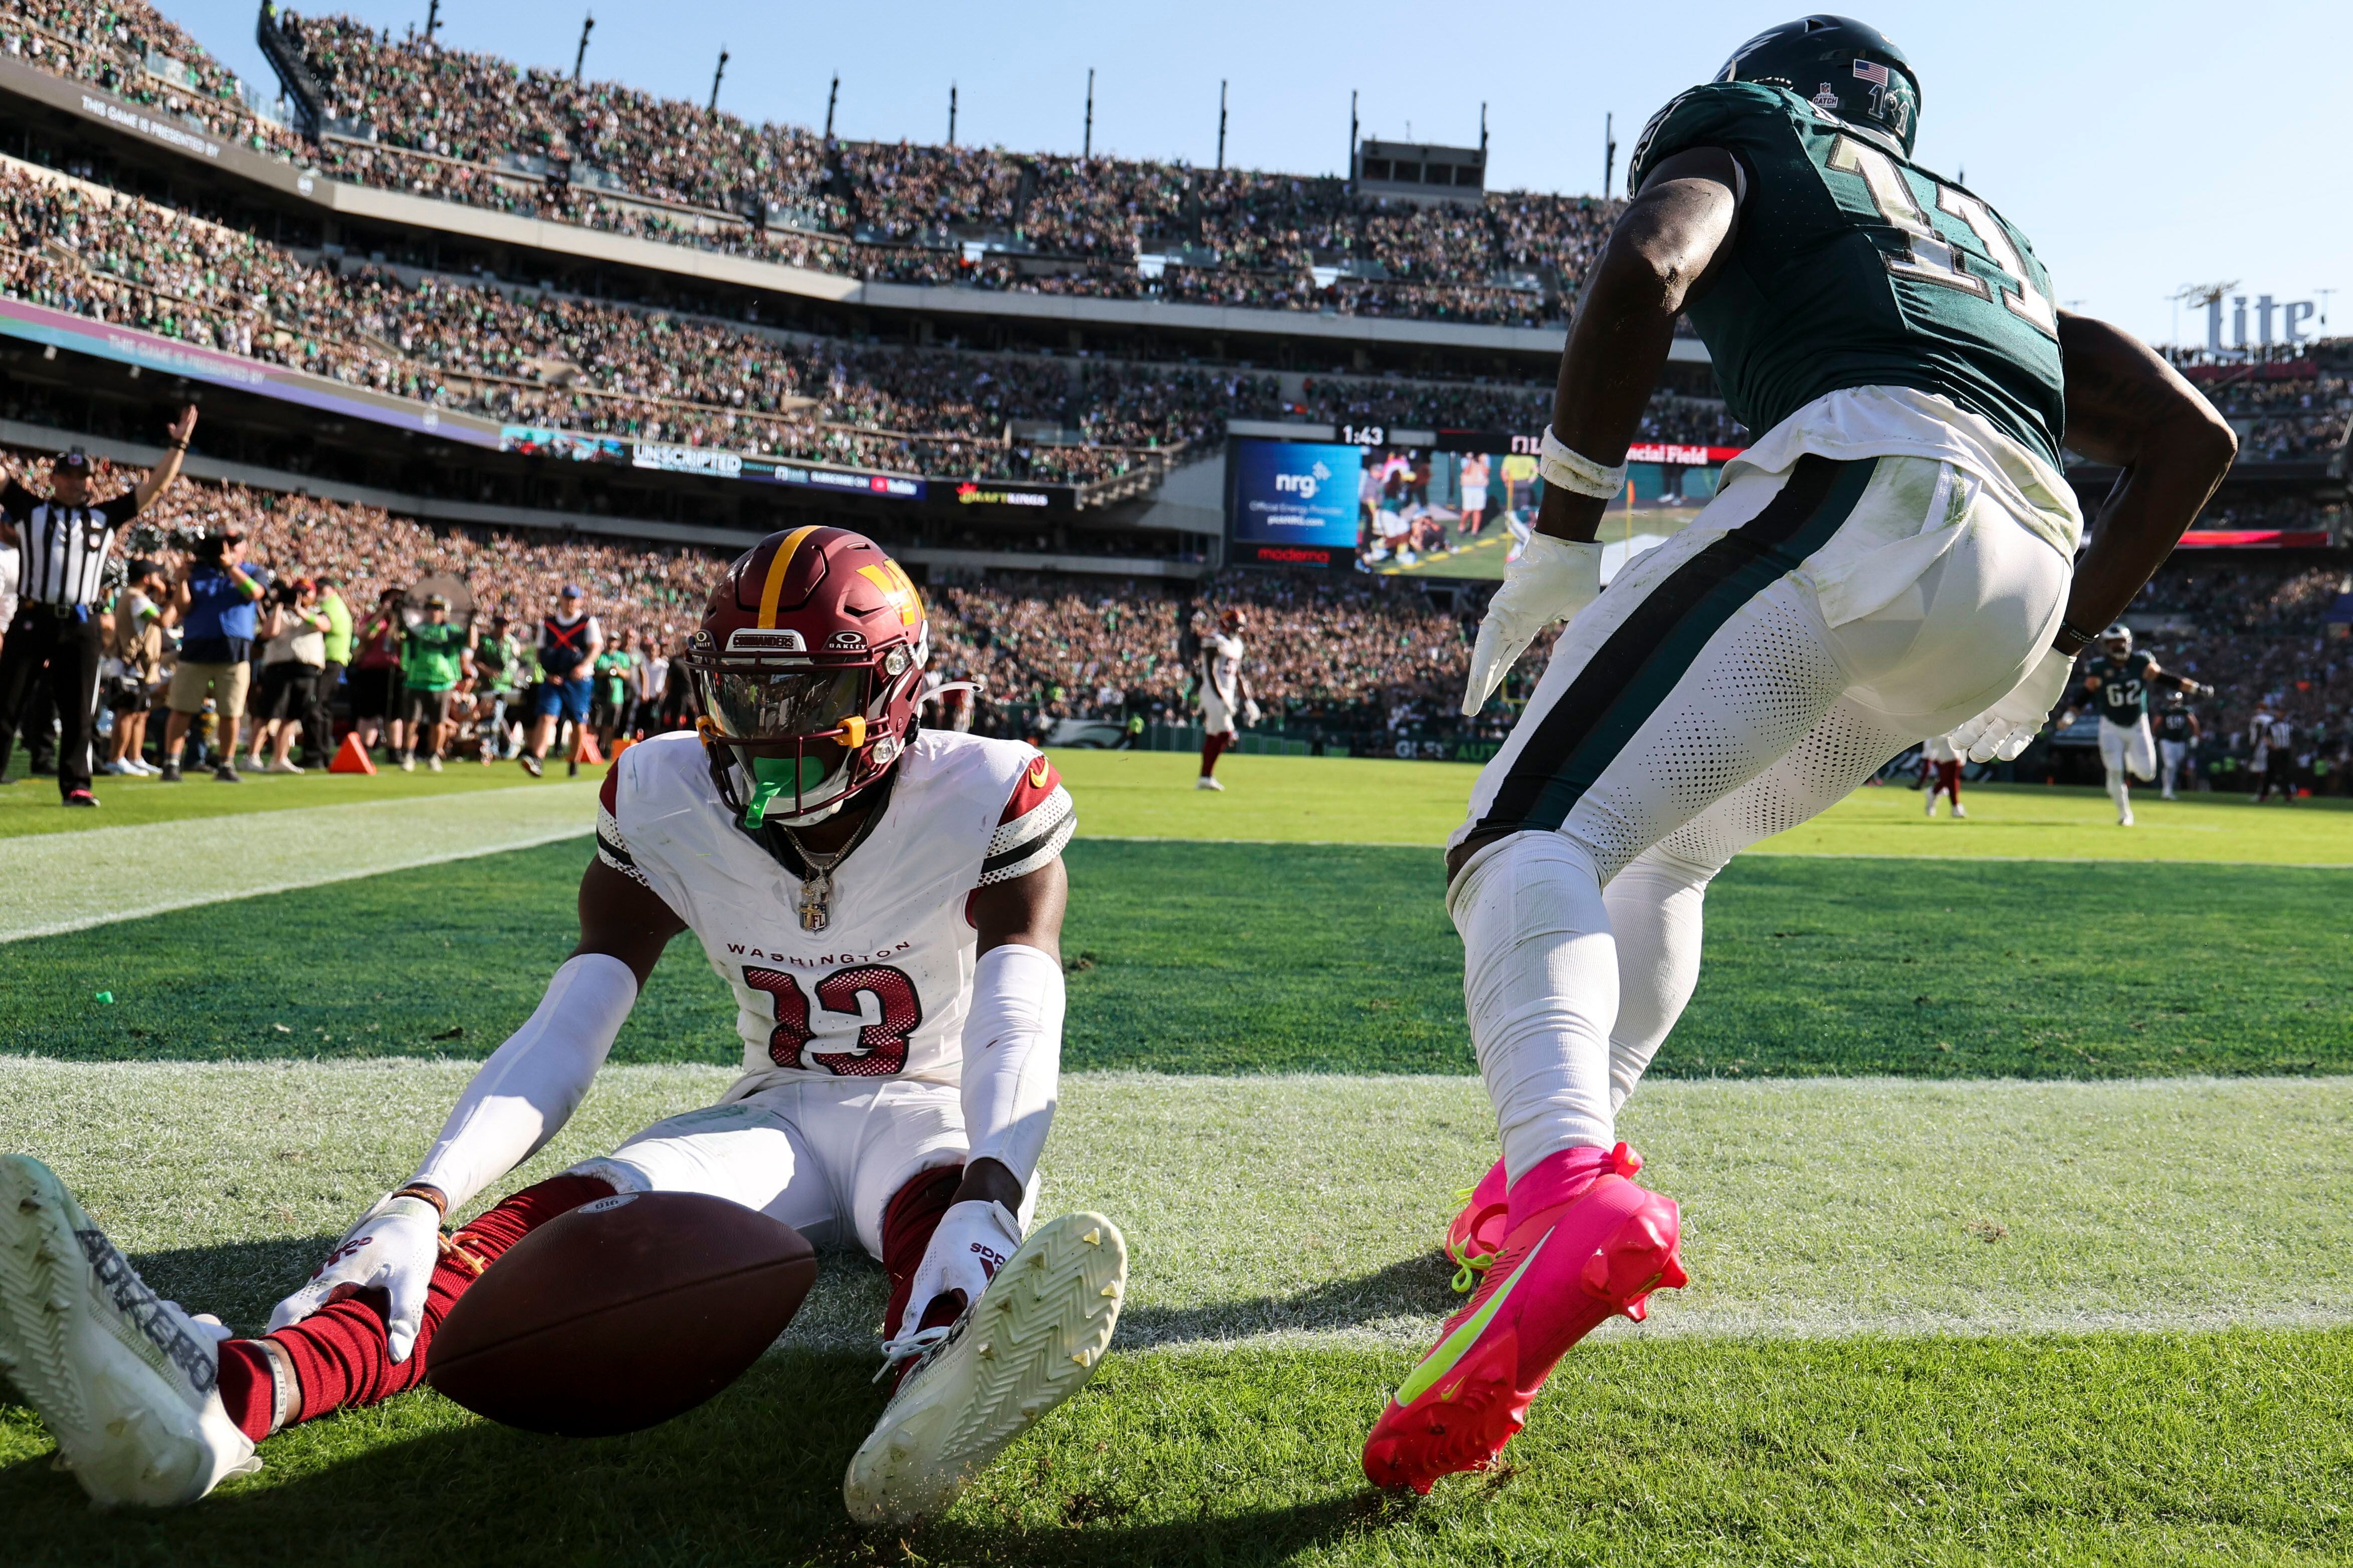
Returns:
<point x="1306" y="1210"/>
<point x="68" y="881"/>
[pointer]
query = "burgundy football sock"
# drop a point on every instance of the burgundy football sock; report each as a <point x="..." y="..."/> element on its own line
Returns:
<point x="1212" y="748"/>
<point x="341" y="1354"/>
<point x="908" y="1221"/>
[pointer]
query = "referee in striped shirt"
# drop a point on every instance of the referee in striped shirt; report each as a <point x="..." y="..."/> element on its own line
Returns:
<point x="62" y="544"/>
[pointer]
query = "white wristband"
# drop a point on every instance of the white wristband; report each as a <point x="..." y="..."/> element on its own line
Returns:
<point x="1562" y="465"/>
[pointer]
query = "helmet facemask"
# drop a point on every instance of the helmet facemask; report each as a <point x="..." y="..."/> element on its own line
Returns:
<point x="791" y="741"/>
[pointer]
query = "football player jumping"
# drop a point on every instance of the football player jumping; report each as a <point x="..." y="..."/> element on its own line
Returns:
<point x="886" y="904"/>
<point x="1890" y="560"/>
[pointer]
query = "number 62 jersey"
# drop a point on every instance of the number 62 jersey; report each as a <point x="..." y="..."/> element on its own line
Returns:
<point x="881" y="991"/>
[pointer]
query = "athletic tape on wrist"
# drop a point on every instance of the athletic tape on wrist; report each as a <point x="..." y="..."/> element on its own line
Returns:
<point x="1572" y="470"/>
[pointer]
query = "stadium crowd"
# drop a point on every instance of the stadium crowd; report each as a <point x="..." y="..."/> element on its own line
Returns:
<point x="528" y="357"/>
<point x="135" y="52"/>
<point x="1359" y="662"/>
<point x="412" y="115"/>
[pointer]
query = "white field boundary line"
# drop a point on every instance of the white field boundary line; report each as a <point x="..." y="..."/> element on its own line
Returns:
<point x="1760" y="850"/>
<point x="1302" y="1211"/>
<point x="56" y="882"/>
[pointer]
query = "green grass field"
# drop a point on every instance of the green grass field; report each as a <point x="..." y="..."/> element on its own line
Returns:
<point x="2032" y="1249"/>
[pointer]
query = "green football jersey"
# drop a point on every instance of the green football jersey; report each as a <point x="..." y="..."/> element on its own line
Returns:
<point x="1852" y="266"/>
<point x="2123" y="696"/>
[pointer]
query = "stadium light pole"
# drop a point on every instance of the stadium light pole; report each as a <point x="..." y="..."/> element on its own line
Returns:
<point x="1222" y="127"/>
<point x="832" y="94"/>
<point x="581" y="58"/>
<point x="1087" y="137"/>
<point x="1608" y="153"/>
<point x="951" y="87"/>
<point x="432" y="19"/>
<point x="715" y="76"/>
<point x="1350" y="166"/>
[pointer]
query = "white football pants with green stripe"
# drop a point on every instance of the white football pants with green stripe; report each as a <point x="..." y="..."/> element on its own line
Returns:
<point x="1731" y="684"/>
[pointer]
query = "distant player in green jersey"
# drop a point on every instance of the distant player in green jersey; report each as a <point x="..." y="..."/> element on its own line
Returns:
<point x="2177" y="730"/>
<point x="1893" y="558"/>
<point x="2116" y="682"/>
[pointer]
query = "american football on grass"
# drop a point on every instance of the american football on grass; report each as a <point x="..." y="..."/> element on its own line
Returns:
<point x="621" y="1314"/>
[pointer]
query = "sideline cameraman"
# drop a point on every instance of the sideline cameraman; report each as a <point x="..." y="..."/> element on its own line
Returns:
<point x="436" y="656"/>
<point x="62" y="544"/>
<point x="217" y="608"/>
<point x="293" y="658"/>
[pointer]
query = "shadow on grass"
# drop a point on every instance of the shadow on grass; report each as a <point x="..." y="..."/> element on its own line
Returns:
<point x="237" y="1281"/>
<point x="1414" y="1288"/>
<point x="755" y="1475"/>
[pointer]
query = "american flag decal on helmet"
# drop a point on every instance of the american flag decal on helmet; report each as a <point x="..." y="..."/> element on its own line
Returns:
<point x="1872" y="71"/>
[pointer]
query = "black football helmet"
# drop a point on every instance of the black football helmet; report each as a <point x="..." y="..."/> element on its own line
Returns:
<point x="1842" y="67"/>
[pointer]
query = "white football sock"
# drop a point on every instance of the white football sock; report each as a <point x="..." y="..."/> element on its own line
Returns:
<point x="1654" y="906"/>
<point x="2117" y="790"/>
<point x="1540" y="985"/>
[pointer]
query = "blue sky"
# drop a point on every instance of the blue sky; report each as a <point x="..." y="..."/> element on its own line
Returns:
<point x="2141" y="147"/>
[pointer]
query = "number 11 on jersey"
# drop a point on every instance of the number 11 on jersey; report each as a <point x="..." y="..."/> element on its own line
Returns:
<point x="1930" y="257"/>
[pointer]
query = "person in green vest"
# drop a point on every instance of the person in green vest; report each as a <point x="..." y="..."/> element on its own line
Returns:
<point x="616" y="674"/>
<point x="319" y="724"/>
<point x="435" y="656"/>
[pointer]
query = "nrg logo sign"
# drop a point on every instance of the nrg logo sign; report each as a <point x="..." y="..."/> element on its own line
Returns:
<point x="1303" y="486"/>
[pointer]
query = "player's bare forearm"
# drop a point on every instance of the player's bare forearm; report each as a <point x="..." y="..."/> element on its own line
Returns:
<point x="161" y="477"/>
<point x="2126" y="406"/>
<point x="1661" y="255"/>
<point x="1027" y="911"/>
<point x="622" y="918"/>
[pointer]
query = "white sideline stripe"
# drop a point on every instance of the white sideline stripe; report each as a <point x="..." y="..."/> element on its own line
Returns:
<point x="56" y="882"/>
<point x="1763" y="849"/>
<point x="1306" y="1210"/>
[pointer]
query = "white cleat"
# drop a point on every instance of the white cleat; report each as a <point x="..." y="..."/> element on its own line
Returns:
<point x="1206" y="781"/>
<point x="2125" y="818"/>
<point x="122" y="1380"/>
<point x="1032" y="1340"/>
<point x="1960" y="812"/>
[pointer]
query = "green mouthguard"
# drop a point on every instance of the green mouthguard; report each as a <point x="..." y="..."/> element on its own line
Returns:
<point x="772" y="776"/>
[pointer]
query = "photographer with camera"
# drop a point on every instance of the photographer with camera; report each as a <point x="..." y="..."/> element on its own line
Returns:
<point x="62" y="544"/>
<point x="293" y="658"/>
<point x="218" y="606"/>
<point x="319" y="722"/>
<point x="137" y="650"/>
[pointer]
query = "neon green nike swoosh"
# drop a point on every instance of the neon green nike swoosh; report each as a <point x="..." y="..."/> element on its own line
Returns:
<point x="1440" y="1361"/>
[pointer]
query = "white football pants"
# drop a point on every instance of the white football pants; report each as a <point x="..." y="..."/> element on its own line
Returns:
<point x="825" y="1156"/>
<point x="1805" y="629"/>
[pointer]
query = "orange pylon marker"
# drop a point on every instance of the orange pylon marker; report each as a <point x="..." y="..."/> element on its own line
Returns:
<point x="351" y="758"/>
<point x="586" y="751"/>
<point x="622" y="743"/>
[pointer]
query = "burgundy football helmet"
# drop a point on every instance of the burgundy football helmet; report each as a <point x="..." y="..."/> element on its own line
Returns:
<point x="807" y="667"/>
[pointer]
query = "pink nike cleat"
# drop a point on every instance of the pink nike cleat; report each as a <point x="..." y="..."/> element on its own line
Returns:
<point x="1585" y="1243"/>
<point x="1477" y="1233"/>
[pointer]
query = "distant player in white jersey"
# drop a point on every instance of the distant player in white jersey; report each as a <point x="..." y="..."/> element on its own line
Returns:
<point x="885" y="903"/>
<point x="1225" y="694"/>
<point x="2176" y="732"/>
<point x="1942" y="762"/>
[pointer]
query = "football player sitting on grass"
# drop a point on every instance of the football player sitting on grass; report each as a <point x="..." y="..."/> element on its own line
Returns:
<point x="886" y="904"/>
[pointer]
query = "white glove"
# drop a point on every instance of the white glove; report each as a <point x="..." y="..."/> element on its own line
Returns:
<point x="393" y="1248"/>
<point x="2002" y="731"/>
<point x="1250" y="712"/>
<point x="1552" y="580"/>
<point x="974" y="1240"/>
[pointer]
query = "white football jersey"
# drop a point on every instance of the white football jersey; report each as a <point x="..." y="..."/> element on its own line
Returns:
<point x="882" y="991"/>
<point x="1223" y="654"/>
